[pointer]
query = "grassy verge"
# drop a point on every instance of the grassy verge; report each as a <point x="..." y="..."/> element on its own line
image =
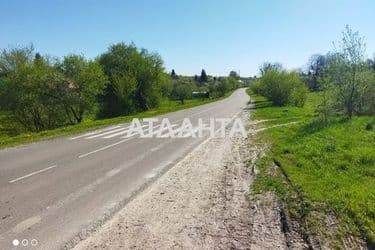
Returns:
<point x="9" y="138"/>
<point x="320" y="170"/>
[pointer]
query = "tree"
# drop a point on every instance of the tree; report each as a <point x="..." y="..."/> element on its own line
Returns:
<point x="371" y="63"/>
<point x="85" y="82"/>
<point x="316" y="67"/>
<point x="165" y="85"/>
<point x="173" y="74"/>
<point x="14" y="59"/>
<point x="24" y="94"/>
<point x="234" y="75"/>
<point x="38" y="57"/>
<point x="348" y="75"/>
<point x="182" y="91"/>
<point x="270" y="66"/>
<point x="149" y="72"/>
<point x="135" y="79"/>
<point x="212" y="88"/>
<point x="17" y="96"/>
<point x="204" y="77"/>
<point x="222" y="86"/>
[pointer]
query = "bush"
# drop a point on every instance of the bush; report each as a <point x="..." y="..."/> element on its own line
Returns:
<point x="222" y="86"/>
<point x="182" y="92"/>
<point x="298" y="95"/>
<point x="256" y="87"/>
<point x="369" y="126"/>
<point x="182" y="89"/>
<point x="282" y="88"/>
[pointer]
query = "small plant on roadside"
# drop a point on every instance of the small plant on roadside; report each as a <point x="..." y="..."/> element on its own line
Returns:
<point x="369" y="126"/>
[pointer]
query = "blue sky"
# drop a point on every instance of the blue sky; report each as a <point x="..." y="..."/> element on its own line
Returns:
<point x="217" y="35"/>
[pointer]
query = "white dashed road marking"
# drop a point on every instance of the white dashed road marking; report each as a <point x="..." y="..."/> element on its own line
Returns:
<point x="103" y="148"/>
<point x="117" y="143"/>
<point x="106" y="133"/>
<point x="33" y="173"/>
<point x="94" y="132"/>
<point x="123" y="132"/>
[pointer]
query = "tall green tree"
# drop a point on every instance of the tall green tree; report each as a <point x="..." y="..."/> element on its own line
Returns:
<point x="234" y="75"/>
<point x="24" y="94"/>
<point x="348" y="75"/>
<point x="182" y="91"/>
<point x="222" y="86"/>
<point x="371" y="63"/>
<point x="166" y="85"/>
<point x="204" y="77"/>
<point x="173" y="74"/>
<point x="266" y="66"/>
<point x="149" y="77"/>
<point x="85" y="82"/>
<point x="316" y="67"/>
<point x="135" y="78"/>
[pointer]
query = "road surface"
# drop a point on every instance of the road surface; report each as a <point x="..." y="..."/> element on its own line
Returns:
<point x="53" y="193"/>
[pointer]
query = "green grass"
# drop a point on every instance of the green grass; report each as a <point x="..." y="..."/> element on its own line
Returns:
<point x="332" y="167"/>
<point x="11" y="134"/>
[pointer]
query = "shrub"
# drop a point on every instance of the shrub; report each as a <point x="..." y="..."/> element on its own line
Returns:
<point x="181" y="91"/>
<point x="369" y="126"/>
<point x="282" y="88"/>
<point x="256" y="87"/>
<point x="298" y="95"/>
<point x="222" y="86"/>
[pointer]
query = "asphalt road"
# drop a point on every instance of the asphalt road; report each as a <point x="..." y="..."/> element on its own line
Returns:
<point x="52" y="193"/>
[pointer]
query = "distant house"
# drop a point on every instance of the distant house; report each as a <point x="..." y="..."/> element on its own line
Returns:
<point x="243" y="83"/>
<point x="196" y="94"/>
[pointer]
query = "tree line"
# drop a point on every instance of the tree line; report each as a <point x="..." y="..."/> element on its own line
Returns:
<point x="344" y="78"/>
<point x="183" y="86"/>
<point x="42" y="92"/>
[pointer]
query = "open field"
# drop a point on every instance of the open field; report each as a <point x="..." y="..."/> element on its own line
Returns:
<point x="331" y="169"/>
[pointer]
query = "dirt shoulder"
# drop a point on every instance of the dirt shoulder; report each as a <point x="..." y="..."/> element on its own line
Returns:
<point x="202" y="202"/>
